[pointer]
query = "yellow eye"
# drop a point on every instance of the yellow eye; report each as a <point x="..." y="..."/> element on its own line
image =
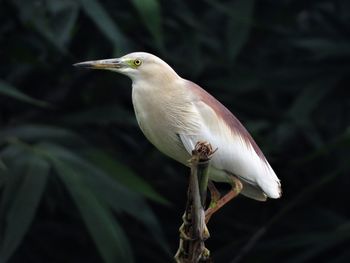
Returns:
<point x="137" y="62"/>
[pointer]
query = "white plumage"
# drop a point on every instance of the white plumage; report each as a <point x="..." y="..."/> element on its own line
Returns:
<point x="174" y="114"/>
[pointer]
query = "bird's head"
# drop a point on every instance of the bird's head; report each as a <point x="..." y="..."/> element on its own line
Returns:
<point x="137" y="65"/>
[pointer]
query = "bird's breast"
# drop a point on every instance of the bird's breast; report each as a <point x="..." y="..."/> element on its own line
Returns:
<point x="161" y="118"/>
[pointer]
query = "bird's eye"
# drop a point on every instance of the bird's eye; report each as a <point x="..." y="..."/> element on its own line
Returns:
<point x="137" y="62"/>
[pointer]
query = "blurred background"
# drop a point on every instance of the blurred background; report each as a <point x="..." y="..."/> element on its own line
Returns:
<point x="80" y="183"/>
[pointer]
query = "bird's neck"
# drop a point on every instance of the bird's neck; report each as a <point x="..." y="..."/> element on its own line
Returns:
<point x="160" y="78"/>
<point x="161" y="91"/>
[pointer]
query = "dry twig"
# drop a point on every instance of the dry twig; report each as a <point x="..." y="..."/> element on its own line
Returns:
<point x="193" y="231"/>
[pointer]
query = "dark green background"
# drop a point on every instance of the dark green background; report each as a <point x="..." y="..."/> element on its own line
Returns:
<point x="80" y="183"/>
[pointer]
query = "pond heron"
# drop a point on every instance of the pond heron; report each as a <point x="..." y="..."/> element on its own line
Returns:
<point x="175" y="113"/>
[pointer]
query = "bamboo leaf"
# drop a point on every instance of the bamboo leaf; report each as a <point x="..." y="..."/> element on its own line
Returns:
<point x="237" y="30"/>
<point x="105" y="23"/>
<point x="115" y="195"/>
<point x="9" y="91"/>
<point x="310" y="98"/>
<point x="13" y="158"/>
<point x="102" y="115"/>
<point x="53" y="20"/>
<point x="149" y="11"/>
<point x="36" y="132"/>
<point x="64" y="16"/>
<point x="322" y="48"/>
<point x="21" y="212"/>
<point x="120" y="199"/>
<point x="107" y="234"/>
<point x="321" y="242"/>
<point x="125" y="175"/>
<point x="2" y="165"/>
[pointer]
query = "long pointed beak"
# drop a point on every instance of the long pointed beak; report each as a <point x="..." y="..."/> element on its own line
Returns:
<point x="114" y="63"/>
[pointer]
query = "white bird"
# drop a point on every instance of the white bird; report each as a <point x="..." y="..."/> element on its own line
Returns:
<point x="175" y="113"/>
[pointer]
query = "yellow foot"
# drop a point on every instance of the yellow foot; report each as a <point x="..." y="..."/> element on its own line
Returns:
<point x="215" y="204"/>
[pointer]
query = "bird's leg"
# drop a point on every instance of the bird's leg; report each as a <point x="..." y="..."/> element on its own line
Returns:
<point x="236" y="189"/>
<point x="214" y="194"/>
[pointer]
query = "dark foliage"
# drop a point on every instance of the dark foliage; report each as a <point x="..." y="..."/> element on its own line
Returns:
<point x="80" y="183"/>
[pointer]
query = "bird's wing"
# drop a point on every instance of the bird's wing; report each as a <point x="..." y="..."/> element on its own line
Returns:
<point x="237" y="153"/>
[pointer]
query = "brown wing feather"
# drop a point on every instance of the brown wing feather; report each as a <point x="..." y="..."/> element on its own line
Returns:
<point x="232" y="122"/>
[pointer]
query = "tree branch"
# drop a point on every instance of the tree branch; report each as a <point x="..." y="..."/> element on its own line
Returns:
<point x="193" y="231"/>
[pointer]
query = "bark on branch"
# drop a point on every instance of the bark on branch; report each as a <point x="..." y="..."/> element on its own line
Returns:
<point x="193" y="231"/>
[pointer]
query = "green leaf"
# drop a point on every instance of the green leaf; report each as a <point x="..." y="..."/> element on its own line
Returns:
<point x="124" y="175"/>
<point x="322" y="48"/>
<point x="105" y="23"/>
<point x="117" y="196"/>
<point x="54" y="20"/>
<point x="7" y="90"/>
<point x="2" y="165"/>
<point x="320" y="242"/>
<point x="105" y="231"/>
<point x="64" y="14"/>
<point x="240" y="15"/>
<point x="38" y="132"/>
<point x="103" y="227"/>
<point x="310" y="98"/>
<point x="22" y="209"/>
<point x="238" y="31"/>
<point x="187" y="15"/>
<point x="149" y="11"/>
<point x="14" y="159"/>
<point x="102" y="115"/>
<point x="120" y="199"/>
